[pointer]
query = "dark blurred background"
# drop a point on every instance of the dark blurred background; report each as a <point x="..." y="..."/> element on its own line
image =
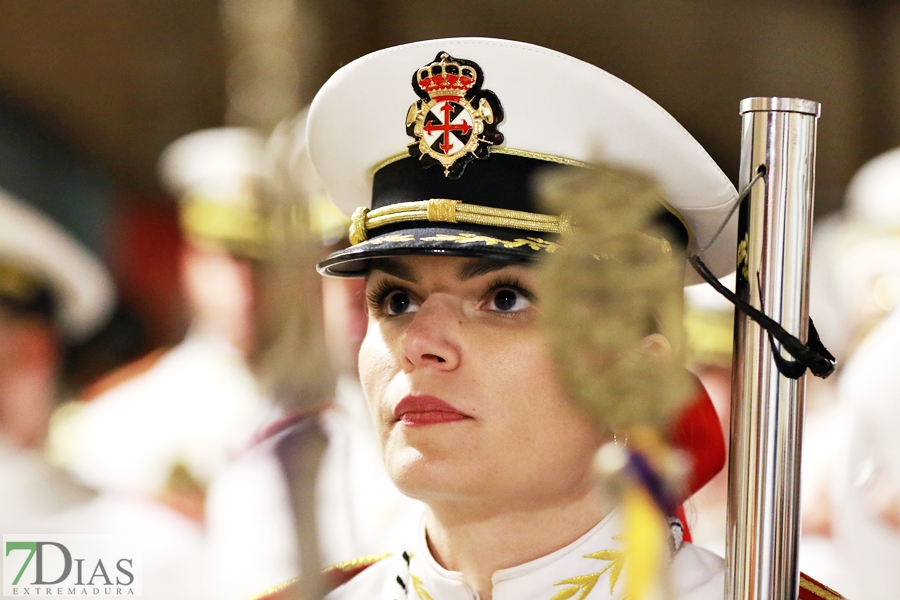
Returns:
<point x="118" y="80"/>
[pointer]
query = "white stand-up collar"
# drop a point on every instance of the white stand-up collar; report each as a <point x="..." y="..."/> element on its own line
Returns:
<point x="590" y="568"/>
<point x="592" y="564"/>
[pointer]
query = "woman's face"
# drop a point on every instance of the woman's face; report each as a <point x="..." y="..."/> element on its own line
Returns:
<point x="459" y="378"/>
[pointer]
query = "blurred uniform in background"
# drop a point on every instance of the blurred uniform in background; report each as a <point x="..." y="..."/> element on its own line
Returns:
<point x="206" y="414"/>
<point x="250" y="503"/>
<point x="867" y="520"/>
<point x="166" y="424"/>
<point x="53" y="291"/>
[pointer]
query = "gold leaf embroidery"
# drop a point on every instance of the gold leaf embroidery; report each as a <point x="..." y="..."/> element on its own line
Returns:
<point x="580" y="583"/>
<point x="585" y="583"/>
<point x="406" y="237"/>
<point x="617" y="558"/>
<point x="419" y="587"/>
<point x="533" y="243"/>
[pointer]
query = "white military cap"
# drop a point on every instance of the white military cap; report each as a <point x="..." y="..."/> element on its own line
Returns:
<point x="214" y="174"/>
<point x="873" y="195"/>
<point x="42" y="266"/>
<point x="436" y="137"/>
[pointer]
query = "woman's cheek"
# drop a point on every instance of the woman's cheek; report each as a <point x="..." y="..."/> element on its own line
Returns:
<point x="377" y="366"/>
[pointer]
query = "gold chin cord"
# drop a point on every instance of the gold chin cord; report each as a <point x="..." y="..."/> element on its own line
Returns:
<point x="779" y="139"/>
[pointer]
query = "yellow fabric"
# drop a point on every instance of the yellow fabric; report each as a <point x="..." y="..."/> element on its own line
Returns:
<point x="645" y="544"/>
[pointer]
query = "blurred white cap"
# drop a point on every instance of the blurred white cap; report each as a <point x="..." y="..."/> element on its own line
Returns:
<point x="37" y="253"/>
<point x="214" y="174"/>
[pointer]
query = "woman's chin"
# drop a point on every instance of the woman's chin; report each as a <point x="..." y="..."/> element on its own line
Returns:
<point x="427" y="474"/>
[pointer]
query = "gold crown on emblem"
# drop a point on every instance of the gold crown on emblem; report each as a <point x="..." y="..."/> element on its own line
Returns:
<point x="446" y="78"/>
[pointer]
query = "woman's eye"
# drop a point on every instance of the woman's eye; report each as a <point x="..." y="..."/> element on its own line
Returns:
<point x="507" y="300"/>
<point x="398" y="303"/>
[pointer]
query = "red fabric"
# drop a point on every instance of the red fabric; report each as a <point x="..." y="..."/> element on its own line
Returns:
<point x="146" y="244"/>
<point x="810" y="589"/>
<point x="699" y="433"/>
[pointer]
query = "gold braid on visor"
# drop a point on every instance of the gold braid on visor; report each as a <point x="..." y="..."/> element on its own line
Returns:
<point x="442" y="210"/>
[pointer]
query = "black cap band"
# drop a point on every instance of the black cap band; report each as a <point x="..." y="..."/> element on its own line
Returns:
<point x="501" y="181"/>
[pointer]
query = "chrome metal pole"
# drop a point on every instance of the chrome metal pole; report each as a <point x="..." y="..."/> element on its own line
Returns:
<point x="775" y="222"/>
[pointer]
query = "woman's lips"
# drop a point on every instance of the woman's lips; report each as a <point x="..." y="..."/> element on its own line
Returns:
<point x="416" y="411"/>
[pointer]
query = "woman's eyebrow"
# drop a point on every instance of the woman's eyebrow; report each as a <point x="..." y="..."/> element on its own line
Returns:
<point x="395" y="268"/>
<point x="479" y="266"/>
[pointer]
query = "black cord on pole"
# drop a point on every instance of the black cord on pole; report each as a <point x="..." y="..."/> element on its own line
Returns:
<point x="813" y="355"/>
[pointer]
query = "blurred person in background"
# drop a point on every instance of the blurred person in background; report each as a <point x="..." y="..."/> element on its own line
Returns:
<point x="56" y="298"/>
<point x="53" y="292"/>
<point x="867" y="514"/>
<point x="250" y="502"/>
<point x="164" y="425"/>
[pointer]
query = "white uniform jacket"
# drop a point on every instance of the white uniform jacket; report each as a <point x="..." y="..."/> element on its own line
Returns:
<point x="195" y="407"/>
<point x="589" y="568"/>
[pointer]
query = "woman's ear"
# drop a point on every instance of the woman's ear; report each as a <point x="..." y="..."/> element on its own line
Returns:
<point x="656" y="345"/>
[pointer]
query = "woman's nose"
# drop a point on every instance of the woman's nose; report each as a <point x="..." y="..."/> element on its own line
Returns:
<point x="432" y="338"/>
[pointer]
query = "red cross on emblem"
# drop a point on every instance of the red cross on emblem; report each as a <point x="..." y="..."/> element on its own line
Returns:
<point x="446" y="127"/>
<point x="454" y="121"/>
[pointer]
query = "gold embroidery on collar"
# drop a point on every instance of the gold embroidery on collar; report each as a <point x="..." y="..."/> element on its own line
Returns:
<point x="820" y="591"/>
<point x="580" y="583"/>
<point x="585" y="583"/>
<point x="617" y="558"/>
<point x="419" y="587"/>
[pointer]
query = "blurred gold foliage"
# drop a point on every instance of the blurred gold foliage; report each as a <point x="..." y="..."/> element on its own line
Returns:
<point x="612" y="298"/>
